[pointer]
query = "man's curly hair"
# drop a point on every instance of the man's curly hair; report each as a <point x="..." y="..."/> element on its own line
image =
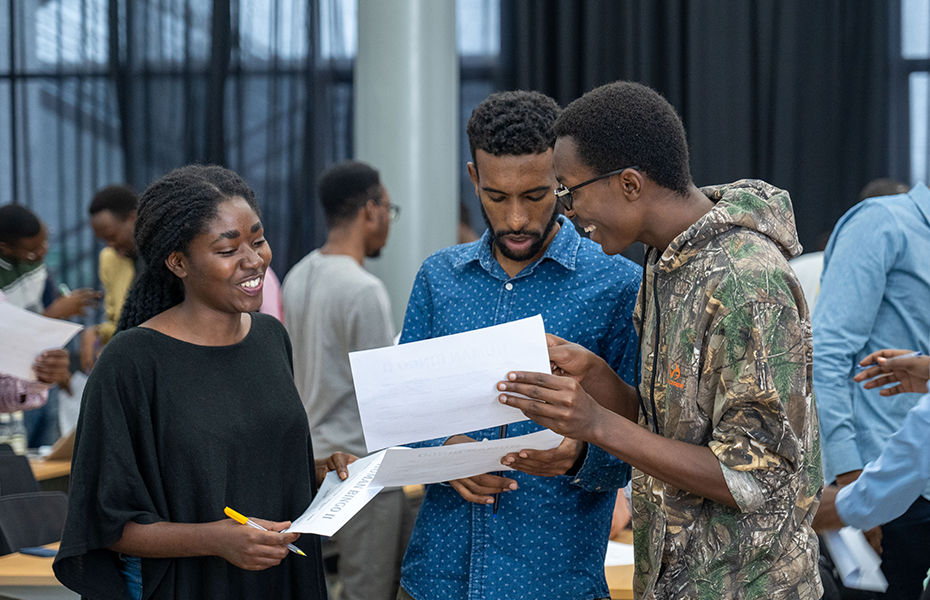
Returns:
<point x="513" y="124"/>
<point x="625" y="124"/>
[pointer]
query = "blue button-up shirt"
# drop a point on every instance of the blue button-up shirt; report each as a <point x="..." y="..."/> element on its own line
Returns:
<point x="549" y="536"/>
<point x="873" y="295"/>
<point x="889" y="485"/>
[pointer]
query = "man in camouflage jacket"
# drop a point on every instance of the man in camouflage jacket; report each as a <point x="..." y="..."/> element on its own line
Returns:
<point x="726" y="451"/>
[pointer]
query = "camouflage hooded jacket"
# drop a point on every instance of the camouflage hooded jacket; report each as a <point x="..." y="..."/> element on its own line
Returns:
<point x="726" y="357"/>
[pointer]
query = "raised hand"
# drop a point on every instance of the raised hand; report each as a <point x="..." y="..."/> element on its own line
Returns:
<point x="75" y="303"/>
<point x="557" y="403"/>
<point x="891" y="366"/>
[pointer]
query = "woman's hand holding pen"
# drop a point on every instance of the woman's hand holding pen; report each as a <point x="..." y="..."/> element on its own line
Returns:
<point x="909" y="370"/>
<point x="338" y="461"/>
<point x="252" y="549"/>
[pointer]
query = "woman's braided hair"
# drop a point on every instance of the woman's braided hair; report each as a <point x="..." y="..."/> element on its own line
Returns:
<point x="172" y="212"/>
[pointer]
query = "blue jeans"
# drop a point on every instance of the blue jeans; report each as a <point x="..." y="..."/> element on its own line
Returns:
<point x="906" y="552"/>
<point x="131" y="570"/>
<point x="42" y="423"/>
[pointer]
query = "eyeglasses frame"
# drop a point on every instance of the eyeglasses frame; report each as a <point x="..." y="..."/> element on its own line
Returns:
<point x="562" y="192"/>
<point x="393" y="209"/>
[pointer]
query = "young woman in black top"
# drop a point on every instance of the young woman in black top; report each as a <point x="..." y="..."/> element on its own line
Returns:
<point x="192" y="408"/>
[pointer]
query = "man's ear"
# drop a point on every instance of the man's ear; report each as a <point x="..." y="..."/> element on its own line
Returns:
<point x="631" y="182"/>
<point x="473" y="173"/>
<point x="177" y="264"/>
<point x="5" y="248"/>
<point x="370" y="212"/>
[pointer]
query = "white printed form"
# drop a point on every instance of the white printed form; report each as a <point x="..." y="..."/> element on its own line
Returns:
<point x="25" y="335"/>
<point x="409" y="466"/>
<point x="444" y="386"/>
<point x="338" y="501"/>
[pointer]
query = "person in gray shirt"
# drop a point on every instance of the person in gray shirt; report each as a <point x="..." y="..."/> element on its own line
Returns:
<point x="333" y="306"/>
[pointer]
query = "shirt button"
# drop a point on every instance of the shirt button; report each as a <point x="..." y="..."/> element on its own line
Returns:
<point x="508" y="286"/>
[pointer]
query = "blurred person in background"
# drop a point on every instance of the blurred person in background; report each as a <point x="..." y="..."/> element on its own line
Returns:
<point x="26" y="283"/>
<point x="113" y="218"/>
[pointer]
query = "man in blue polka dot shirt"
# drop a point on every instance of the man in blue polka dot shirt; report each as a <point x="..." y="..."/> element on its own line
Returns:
<point x="549" y="535"/>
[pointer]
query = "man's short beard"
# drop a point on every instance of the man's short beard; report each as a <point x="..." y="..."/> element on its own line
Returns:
<point x="534" y="249"/>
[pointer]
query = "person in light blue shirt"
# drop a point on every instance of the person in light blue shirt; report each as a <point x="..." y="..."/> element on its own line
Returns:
<point x="890" y="484"/>
<point x="873" y="295"/>
<point x="549" y="534"/>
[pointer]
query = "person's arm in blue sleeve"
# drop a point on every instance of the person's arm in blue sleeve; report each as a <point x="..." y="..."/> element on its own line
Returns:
<point x="890" y="484"/>
<point x="851" y="291"/>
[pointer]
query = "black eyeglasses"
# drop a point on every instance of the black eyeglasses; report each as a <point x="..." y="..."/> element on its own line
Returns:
<point x="564" y="194"/>
<point x="393" y="209"/>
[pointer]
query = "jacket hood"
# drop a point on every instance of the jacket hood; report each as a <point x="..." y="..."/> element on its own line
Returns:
<point x="748" y="203"/>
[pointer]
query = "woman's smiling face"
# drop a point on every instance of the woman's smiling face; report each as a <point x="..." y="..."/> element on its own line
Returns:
<point x="224" y="267"/>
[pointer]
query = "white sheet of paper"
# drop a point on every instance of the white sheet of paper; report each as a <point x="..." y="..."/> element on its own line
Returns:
<point x="618" y="554"/>
<point x="858" y="564"/>
<point x="443" y="386"/>
<point x="338" y="501"/>
<point x="410" y="466"/>
<point x="25" y="335"/>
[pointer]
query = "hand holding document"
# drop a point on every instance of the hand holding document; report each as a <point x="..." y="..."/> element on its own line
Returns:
<point x="410" y="466"/>
<point x="338" y="501"/>
<point x="25" y="335"/>
<point x="856" y="561"/>
<point x="443" y="386"/>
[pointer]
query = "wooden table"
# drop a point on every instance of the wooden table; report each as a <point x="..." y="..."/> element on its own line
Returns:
<point x="24" y="576"/>
<point x="620" y="578"/>
<point x="45" y="469"/>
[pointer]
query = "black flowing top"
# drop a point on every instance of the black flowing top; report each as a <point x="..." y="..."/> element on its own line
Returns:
<point x="172" y="431"/>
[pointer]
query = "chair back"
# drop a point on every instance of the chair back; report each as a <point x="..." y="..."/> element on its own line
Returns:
<point x="34" y="519"/>
<point x="16" y="475"/>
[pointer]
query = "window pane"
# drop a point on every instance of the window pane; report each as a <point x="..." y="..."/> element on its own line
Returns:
<point x="338" y="28"/>
<point x="5" y="36"/>
<point x="273" y="29"/>
<point x="171" y="32"/>
<point x="478" y="27"/>
<point x="920" y="126"/>
<point x="915" y="28"/>
<point x="68" y="32"/>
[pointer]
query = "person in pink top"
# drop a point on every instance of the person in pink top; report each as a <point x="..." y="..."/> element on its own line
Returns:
<point x="272" y="304"/>
<point x="20" y="394"/>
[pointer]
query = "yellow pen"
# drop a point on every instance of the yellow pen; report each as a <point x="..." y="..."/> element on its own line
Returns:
<point x="247" y="521"/>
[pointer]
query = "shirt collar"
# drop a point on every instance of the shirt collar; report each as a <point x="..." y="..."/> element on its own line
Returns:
<point x="563" y="250"/>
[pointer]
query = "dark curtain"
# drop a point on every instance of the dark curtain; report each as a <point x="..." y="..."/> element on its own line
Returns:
<point x="235" y="83"/>
<point x="793" y="92"/>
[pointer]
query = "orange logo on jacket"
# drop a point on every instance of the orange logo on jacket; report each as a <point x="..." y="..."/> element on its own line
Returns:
<point x="674" y="374"/>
